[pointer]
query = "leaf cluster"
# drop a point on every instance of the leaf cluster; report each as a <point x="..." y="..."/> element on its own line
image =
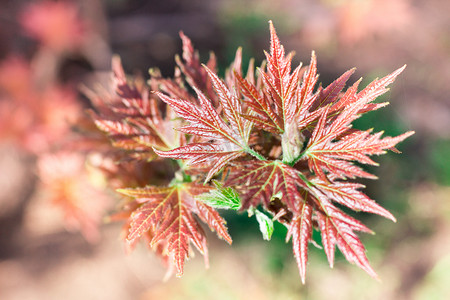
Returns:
<point x="270" y="138"/>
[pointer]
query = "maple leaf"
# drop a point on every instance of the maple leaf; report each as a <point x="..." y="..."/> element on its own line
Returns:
<point x="335" y="231"/>
<point x="169" y="213"/>
<point x="195" y="75"/>
<point x="337" y="228"/>
<point x="231" y="133"/>
<point x="348" y="194"/>
<point x="259" y="181"/>
<point x="132" y="119"/>
<point x="325" y="151"/>
<point x="300" y="230"/>
<point x="282" y="104"/>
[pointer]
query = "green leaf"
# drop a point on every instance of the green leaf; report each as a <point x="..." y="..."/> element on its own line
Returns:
<point x="221" y="198"/>
<point x="265" y="225"/>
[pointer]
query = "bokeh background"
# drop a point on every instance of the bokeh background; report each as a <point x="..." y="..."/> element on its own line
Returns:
<point x="48" y="49"/>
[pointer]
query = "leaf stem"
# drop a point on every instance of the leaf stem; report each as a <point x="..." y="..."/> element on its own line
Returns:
<point x="296" y="160"/>
<point x="254" y="153"/>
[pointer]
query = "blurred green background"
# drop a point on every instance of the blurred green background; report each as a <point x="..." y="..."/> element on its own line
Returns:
<point x="412" y="256"/>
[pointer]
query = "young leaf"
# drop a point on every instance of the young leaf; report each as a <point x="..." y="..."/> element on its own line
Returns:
<point x="169" y="213"/>
<point x="326" y="152"/>
<point x="263" y="115"/>
<point x="258" y="181"/>
<point x="335" y="231"/>
<point x="301" y="230"/>
<point x="214" y="155"/>
<point x="132" y="119"/>
<point x="191" y="67"/>
<point x="205" y="121"/>
<point x="221" y="198"/>
<point x="347" y="194"/>
<point x="265" y="225"/>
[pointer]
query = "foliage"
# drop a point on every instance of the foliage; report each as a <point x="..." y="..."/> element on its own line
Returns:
<point x="270" y="138"/>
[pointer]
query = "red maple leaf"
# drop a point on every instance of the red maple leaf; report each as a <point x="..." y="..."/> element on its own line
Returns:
<point x="168" y="212"/>
<point x="132" y="119"/>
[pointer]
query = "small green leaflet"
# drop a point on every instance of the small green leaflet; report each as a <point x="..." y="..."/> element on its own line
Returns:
<point x="265" y="225"/>
<point x="221" y="198"/>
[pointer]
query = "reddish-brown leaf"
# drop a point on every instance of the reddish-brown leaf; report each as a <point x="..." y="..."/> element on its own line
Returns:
<point x="131" y="119"/>
<point x="231" y="107"/>
<point x="205" y="120"/>
<point x="259" y="181"/>
<point x="168" y="212"/>
<point x="335" y="231"/>
<point x="194" y="73"/>
<point x="347" y="194"/>
<point x="263" y="115"/>
<point x="301" y="230"/>
<point x="216" y="156"/>
<point x="331" y="93"/>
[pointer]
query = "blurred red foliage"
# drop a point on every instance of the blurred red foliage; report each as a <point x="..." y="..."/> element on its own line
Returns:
<point x="33" y="116"/>
<point x="65" y="182"/>
<point x="56" y="25"/>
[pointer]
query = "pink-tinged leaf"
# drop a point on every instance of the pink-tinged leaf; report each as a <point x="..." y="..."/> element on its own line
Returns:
<point x="148" y="214"/>
<point x="216" y="156"/>
<point x="236" y="66"/>
<point x="335" y="157"/>
<point x="169" y="214"/>
<point x="258" y="181"/>
<point x="273" y="92"/>
<point x="122" y="87"/>
<point x="305" y="93"/>
<point x="261" y="123"/>
<point x="125" y="136"/>
<point x="205" y="121"/>
<point x="172" y="87"/>
<point x="278" y="66"/>
<point x="222" y="162"/>
<point x="211" y="217"/>
<point x="347" y="194"/>
<point x="348" y="98"/>
<point x="358" y="145"/>
<point x="350" y="245"/>
<point x="305" y="120"/>
<point x="230" y="104"/>
<point x="290" y="103"/>
<point x="324" y="205"/>
<point x="279" y="82"/>
<point x="260" y="106"/>
<point x="330" y="94"/>
<point x="318" y="134"/>
<point x="335" y="231"/>
<point x="301" y="230"/>
<point x="191" y="67"/>
<point x="352" y="105"/>
<point x="328" y="237"/>
<point x="143" y="219"/>
<point x="131" y="119"/>
<point x="378" y="86"/>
